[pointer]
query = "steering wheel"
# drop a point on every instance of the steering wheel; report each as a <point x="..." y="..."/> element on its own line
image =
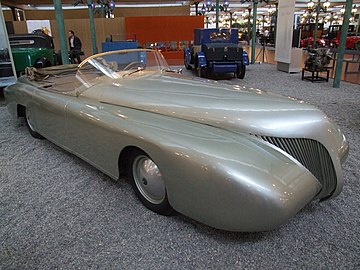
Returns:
<point x="135" y="65"/>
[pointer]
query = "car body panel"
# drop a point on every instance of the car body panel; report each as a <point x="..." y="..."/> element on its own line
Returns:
<point x="205" y="138"/>
<point x="222" y="108"/>
<point x="27" y="57"/>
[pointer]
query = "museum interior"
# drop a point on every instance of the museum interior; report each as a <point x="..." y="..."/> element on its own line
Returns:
<point x="179" y="134"/>
<point x="169" y="26"/>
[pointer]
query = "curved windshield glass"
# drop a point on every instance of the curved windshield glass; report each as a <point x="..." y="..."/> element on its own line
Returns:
<point x="120" y="64"/>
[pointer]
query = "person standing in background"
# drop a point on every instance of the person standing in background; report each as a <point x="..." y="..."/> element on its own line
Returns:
<point x="75" y="47"/>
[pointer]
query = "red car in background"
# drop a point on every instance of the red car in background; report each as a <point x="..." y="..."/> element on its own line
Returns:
<point x="352" y="42"/>
<point x="309" y="42"/>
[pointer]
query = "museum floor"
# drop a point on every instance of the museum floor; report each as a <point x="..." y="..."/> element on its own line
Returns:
<point x="56" y="211"/>
<point x="350" y="69"/>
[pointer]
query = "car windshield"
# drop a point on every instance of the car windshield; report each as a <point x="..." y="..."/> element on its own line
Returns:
<point x="120" y="64"/>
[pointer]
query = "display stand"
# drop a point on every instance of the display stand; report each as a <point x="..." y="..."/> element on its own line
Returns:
<point x="263" y="52"/>
<point x="315" y="77"/>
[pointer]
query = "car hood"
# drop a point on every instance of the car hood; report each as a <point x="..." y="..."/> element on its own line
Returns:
<point x="232" y="107"/>
<point x="281" y="121"/>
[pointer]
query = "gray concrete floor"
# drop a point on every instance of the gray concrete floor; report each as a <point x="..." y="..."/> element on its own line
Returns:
<point x="57" y="212"/>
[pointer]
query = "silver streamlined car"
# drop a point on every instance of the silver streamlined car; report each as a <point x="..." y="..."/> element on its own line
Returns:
<point x="234" y="158"/>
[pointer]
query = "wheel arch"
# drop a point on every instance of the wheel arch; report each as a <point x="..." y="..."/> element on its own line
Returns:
<point x="123" y="161"/>
<point x="20" y="110"/>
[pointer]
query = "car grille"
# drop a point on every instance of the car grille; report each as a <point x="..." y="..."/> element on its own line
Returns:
<point x="312" y="155"/>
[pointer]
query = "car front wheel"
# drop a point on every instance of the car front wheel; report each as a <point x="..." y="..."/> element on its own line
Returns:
<point x="148" y="184"/>
<point x="202" y="72"/>
<point x="29" y="125"/>
<point x="241" y="71"/>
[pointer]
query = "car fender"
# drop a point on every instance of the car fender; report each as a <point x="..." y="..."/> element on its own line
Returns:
<point x="236" y="185"/>
<point x="245" y="58"/>
<point x="18" y="94"/>
<point x="201" y="58"/>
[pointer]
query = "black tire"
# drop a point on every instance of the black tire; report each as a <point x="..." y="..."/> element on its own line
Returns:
<point x="30" y="126"/>
<point x="241" y="71"/>
<point x="42" y="62"/>
<point x="202" y="72"/>
<point x="148" y="184"/>
<point x="187" y="66"/>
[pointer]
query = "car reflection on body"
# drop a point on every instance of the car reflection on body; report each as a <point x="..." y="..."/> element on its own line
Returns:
<point x="234" y="158"/>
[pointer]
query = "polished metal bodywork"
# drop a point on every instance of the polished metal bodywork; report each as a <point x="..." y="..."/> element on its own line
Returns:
<point x="232" y="157"/>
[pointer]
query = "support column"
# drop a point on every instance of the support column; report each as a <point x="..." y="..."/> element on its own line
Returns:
<point x="288" y="59"/>
<point x="61" y="31"/>
<point x="217" y="7"/>
<point x="254" y="32"/>
<point x="316" y="23"/>
<point x="248" y="26"/>
<point x="276" y="18"/>
<point x="342" y="44"/>
<point x="92" y="27"/>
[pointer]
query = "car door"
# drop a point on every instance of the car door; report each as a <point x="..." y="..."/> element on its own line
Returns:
<point x="90" y="134"/>
<point x="48" y="110"/>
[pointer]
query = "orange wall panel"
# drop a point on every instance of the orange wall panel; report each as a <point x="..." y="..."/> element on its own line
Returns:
<point x="163" y="28"/>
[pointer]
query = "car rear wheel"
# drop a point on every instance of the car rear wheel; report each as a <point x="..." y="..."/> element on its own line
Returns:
<point x="187" y="66"/>
<point x="148" y="184"/>
<point x="42" y="63"/>
<point x="29" y="125"/>
<point x="241" y="71"/>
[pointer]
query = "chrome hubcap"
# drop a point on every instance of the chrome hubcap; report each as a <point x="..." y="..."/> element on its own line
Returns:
<point x="148" y="179"/>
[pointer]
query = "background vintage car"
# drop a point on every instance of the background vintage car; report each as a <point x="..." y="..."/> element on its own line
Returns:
<point x="234" y="158"/>
<point x="30" y="50"/>
<point x="352" y="42"/>
<point x="309" y="42"/>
